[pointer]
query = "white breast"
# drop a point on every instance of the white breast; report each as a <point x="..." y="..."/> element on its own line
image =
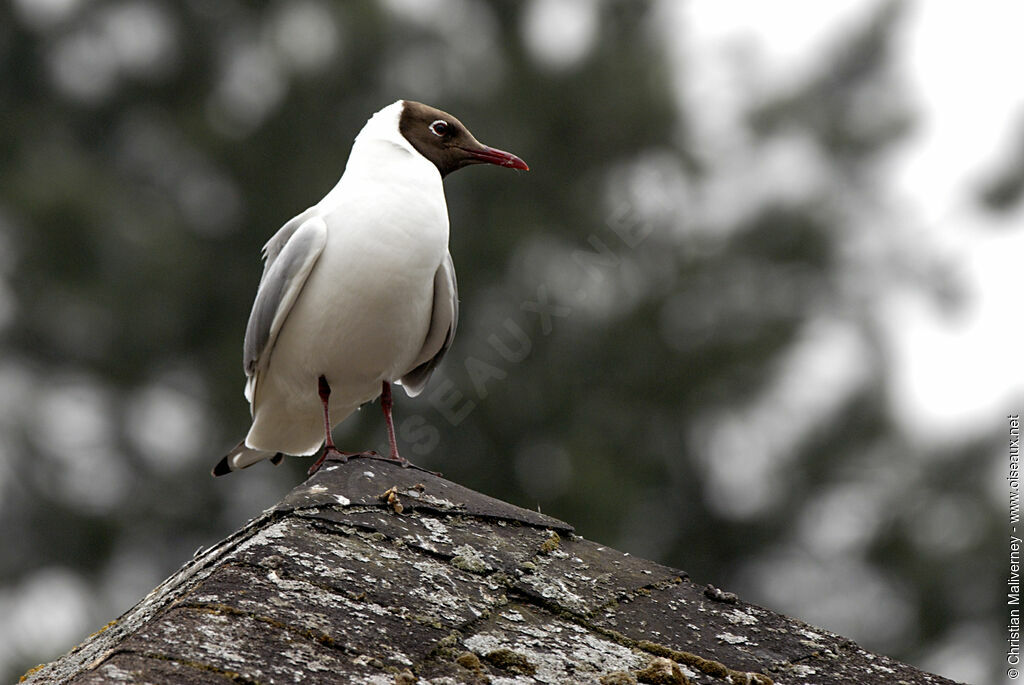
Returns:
<point x="364" y="311"/>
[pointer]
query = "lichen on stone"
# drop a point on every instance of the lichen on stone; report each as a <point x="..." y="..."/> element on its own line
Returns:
<point x="468" y="559"/>
<point x="30" y="671"/>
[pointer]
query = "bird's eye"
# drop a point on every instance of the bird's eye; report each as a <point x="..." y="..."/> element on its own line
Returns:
<point x="440" y="128"/>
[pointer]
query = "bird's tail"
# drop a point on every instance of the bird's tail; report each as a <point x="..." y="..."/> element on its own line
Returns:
<point x="243" y="457"/>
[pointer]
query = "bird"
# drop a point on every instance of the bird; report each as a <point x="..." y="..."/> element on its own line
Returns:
<point x="358" y="292"/>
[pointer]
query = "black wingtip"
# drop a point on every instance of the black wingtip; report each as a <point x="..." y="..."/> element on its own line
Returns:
<point x="277" y="459"/>
<point x="222" y="468"/>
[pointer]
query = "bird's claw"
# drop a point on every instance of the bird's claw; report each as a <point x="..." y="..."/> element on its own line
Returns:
<point x="334" y="454"/>
<point x="331" y="453"/>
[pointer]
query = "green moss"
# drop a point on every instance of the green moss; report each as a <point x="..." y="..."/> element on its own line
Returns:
<point x="617" y="678"/>
<point x="707" y="666"/>
<point x="551" y="544"/>
<point x="200" y="666"/>
<point x="429" y="621"/>
<point x="615" y="636"/>
<point x="501" y="578"/>
<point x="446" y="649"/>
<point x="471" y="661"/>
<point x="510" y="661"/>
<point x="450" y="640"/>
<point x="406" y="677"/>
<point x="662" y="671"/>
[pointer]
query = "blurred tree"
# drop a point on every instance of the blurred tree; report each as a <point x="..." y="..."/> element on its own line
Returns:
<point x="667" y="339"/>
<point x="1004" y="190"/>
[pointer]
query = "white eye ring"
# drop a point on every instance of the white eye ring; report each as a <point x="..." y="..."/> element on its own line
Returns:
<point x="440" y="128"/>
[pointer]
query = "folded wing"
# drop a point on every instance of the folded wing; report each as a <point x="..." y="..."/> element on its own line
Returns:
<point x="290" y="256"/>
<point x="443" y="320"/>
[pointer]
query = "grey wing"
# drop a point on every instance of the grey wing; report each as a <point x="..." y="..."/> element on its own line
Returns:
<point x="290" y="256"/>
<point x="444" y="318"/>
<point x="277" y="242"/>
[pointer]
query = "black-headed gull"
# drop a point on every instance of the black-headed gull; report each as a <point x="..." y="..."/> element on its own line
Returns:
<point x="359" y="290"/>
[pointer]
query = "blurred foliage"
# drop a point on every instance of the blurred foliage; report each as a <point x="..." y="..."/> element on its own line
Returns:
<point x="675" y="352"/>
<point x="1005" y="189"/>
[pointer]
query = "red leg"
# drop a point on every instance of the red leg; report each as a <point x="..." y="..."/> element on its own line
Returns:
<point x="324" y="390"/>
<point x="385" y="405"/>
<point x="330" y="451"/>
<point x="325" y="394"/>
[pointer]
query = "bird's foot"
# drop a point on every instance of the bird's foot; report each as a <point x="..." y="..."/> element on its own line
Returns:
<point x="333" y="454"/>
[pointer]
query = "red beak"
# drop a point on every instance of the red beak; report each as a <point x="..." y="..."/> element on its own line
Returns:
<point x="490" y="155"/>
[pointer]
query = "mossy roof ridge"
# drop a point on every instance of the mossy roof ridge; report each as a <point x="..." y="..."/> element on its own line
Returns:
<point x="371" y="573"/>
